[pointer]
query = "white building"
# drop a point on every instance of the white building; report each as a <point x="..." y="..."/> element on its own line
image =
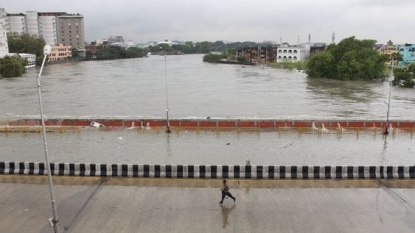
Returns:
<point x="292" y="53"/>
<point x="54" y="27"/>
<point x="47" y="29"/>
<point x="32" y="23"/>
<point x="4" y="47"/>
<point x="30" y="58"/>
<point x="16" y="23"/>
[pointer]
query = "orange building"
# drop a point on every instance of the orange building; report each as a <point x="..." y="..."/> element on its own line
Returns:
<point x="60" y="52"/>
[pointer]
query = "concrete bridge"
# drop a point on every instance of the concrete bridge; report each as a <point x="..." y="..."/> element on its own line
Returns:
<point x="105" y="204"/>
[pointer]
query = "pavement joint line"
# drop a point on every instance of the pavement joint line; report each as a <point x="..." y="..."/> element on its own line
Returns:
<point x="391" y="192"/>
<point x="75" y="218"/>
<point x="210" y="183"/>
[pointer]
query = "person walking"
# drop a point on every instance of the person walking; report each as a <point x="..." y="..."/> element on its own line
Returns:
<point x="225" y="192"/>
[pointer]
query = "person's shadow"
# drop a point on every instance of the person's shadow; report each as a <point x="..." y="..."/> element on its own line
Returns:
<point x="225" y="214"/>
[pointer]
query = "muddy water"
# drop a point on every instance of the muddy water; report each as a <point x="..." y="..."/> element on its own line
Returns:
<point x="137" y="88"/>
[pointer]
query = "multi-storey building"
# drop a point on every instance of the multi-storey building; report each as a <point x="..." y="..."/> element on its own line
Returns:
<point x="4" y="48"/>
<point x="32" y="23"/>
<point x="292" y="53"/>
<point x="16" y="23"/>
<point x="268" y="54"/>
<point x="53" y="27"/>
<point x="389" y="48"/>
<point x="408" y="54"/>
<point x="115" y="39"/>
<point x="48" y="26"/>
<point x="71" y="31"/>
<point x="60" y="52"/>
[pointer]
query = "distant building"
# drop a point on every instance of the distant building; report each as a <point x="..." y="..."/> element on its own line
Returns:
<point x="268" y="54"/>
<point x="71" y="31"/>
<point x="54" y="27"/>
<point x="292" y="53"/>
<point x="4" y="47"/>
<point x="317" y="47"/>
<point x="60" y="52"/>
<point x="408" y="54"/>
<point x="32" y="23"/>
<point x="48" y="26"/>
<point x="125" y="45"/>
<point x="115" y="39"/>
<point x="16" y="23"/>
<point x="389" y="48"/>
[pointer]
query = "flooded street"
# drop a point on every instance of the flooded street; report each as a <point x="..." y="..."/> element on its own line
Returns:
<point x="289" y="147"/>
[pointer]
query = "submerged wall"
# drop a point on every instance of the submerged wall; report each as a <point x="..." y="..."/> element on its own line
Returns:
<point x="210" y="123"/>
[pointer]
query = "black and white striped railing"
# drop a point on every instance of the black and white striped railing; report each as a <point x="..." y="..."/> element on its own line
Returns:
<point x="211" y="171"/>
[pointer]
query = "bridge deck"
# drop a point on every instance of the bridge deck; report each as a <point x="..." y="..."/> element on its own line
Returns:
<point x="160" y="205"/>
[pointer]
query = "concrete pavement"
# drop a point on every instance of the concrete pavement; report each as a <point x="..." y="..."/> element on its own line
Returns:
<point x="96" y="204"/>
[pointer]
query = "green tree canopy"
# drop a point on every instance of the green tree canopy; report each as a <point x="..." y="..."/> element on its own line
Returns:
<point x="203" y="47"/>
<point x="161" y="47"/>
<point x="404" y="77"/>
<point x="25" y="43"/>
<point x="117" y="52"/>
<point x="11" y="66"/>
<point x="351" y="59"/>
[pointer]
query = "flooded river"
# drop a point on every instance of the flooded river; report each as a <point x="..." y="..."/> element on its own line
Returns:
<point x="142" y="88"/>
<point x="136" y="88"/>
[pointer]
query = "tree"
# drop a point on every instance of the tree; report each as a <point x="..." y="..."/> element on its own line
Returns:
<point x="203" y="47"/>
<point x="210" y="57"/>
<point x="351" y="59"/>
<point x="11" y="66"/>
<point x="161" y="47"/>
<point x="25" y="43"/>
<point x="117" y="52"/>
<point x="404" y="77"/>
<point x="319" y="66"/>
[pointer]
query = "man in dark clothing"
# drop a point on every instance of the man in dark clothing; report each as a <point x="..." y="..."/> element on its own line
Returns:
<point x="225" y="192"/>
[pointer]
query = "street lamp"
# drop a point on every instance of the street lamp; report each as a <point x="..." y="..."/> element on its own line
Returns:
<point x="54" y="222"/>
<point x="389" y="101"/>
<point x="167" y="97"/>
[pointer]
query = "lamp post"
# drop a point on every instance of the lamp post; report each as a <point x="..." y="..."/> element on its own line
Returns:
<point x="54" y="222"/>
<point x="167" y="97"/>
<point x="389" y="101"/>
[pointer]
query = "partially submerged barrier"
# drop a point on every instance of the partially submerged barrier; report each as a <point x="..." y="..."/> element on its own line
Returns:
<point x="230" y="124"/>
<point x="210" y="171"/>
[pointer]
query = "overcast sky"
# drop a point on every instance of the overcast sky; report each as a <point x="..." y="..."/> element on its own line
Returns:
<point x="236" y="20"/>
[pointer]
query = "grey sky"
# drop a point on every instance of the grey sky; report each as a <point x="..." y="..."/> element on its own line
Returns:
<point x="236" y="20"/>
